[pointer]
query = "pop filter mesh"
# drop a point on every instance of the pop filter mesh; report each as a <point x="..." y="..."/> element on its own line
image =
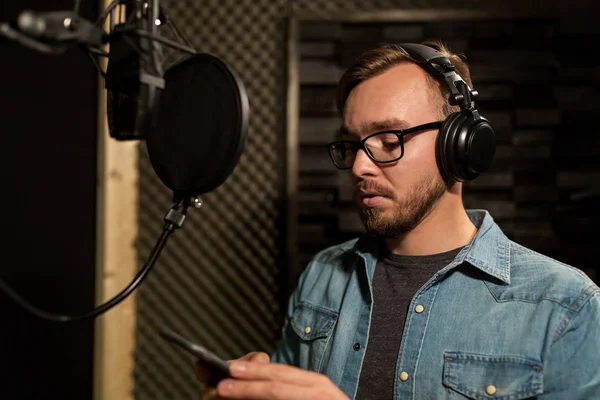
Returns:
<point x="201" y="127"/>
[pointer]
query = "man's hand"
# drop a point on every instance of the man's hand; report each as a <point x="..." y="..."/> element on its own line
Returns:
<point x="202" y="374"/>
<point x="276" y="382"/>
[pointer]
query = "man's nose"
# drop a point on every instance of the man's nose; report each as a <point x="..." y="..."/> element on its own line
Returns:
<point x="363" y="165"/>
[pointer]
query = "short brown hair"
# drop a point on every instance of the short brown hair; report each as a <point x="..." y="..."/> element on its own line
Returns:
<point x="375" y="61"/>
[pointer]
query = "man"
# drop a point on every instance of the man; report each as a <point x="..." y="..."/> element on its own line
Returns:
<point x="434" y="302"/>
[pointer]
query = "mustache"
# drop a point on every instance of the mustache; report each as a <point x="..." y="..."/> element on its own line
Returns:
<point x="372" y="186"/>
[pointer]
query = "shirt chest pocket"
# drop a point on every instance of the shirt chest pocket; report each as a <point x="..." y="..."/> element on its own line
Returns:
<point x="314" y="327"/>
<point x="478" y="376"/>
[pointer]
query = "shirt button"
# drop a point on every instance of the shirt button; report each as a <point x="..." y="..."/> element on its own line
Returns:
<point x="356" y="346"/>
<point x="419" y="308"/>
<point x="491" y="390"/>
<point x="403" y="376"/>
<point x="307" y="330"/>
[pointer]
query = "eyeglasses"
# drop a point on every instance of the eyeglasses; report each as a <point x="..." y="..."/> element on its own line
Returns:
<point x="381" y="147"/>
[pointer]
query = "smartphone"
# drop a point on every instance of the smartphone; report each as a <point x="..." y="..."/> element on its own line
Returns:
<point x="217" y="367"/>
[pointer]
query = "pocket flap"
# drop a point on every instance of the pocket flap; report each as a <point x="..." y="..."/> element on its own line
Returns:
<point x="311" y="322"/>
<point x="481" y="376"/>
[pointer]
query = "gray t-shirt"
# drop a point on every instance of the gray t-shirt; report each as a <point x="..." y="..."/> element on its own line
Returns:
<point x="395" y="282"/>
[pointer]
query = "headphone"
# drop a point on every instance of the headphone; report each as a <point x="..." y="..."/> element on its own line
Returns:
<point x="466" y="143"/>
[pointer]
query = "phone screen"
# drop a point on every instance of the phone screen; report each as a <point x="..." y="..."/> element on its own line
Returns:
<point x="217" y="367"/>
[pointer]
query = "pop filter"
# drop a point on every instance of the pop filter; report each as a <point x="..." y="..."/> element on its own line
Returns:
<point x="202" y="124"/>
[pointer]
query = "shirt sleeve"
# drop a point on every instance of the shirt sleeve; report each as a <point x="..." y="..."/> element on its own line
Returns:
<point x="572" y="368"/>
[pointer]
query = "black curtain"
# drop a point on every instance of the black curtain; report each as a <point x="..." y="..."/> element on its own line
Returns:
<point x="48" y="124"/>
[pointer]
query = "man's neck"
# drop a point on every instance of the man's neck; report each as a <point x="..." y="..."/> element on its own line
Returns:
<point x="446" y="228"/>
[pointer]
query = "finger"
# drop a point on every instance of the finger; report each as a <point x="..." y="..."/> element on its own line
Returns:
<point x="276" y="372"/>
<point x="255" y="356"/>
<point x="203" y="373"/>
<point x="263" y="390"/>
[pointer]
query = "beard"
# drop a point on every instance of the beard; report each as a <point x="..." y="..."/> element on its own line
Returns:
<point x="406" y="213"/>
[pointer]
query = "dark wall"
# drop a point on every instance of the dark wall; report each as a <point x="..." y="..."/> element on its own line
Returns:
<point x="536" y="86"/>
<point x="48" y="123"/>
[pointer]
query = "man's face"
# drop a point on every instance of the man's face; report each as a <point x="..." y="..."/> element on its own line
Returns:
<point x="394" y="198"/>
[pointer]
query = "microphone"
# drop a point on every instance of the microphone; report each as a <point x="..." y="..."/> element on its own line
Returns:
<point x="134" y="76"/>
<point x="193" y="117"/>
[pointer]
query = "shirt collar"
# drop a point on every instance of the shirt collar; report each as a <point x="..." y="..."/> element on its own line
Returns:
<point x="488" y="251"/>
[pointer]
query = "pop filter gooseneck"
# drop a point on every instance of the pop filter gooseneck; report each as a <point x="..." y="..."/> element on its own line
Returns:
<point x="195" y="125"/>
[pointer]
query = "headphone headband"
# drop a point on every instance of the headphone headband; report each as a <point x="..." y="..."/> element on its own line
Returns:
<point x="440" y="67"/>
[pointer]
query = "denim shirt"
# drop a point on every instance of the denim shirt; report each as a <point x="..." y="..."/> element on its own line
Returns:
<point x="500" y="321"/>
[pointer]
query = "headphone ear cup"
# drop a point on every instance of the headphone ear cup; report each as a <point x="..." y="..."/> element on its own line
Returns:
<point x="465" y="147"/>
<point x="446" y="154"/>
<point x="479" y="147"/>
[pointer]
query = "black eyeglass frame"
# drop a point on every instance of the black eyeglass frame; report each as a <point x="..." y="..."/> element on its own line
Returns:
<point x="357" y="145"/>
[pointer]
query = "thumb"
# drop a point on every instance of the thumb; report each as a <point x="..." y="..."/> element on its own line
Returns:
<point x="255" y="356"/>
<point x="203" y="374"/>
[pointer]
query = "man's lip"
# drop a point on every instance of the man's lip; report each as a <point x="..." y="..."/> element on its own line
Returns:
<point x="368" y="193"/>
<point x="372" y="201"/>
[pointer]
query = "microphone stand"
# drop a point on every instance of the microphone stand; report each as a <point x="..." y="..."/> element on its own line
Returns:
<point x="53" y="33"/>
<point x="173" y="220"/>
